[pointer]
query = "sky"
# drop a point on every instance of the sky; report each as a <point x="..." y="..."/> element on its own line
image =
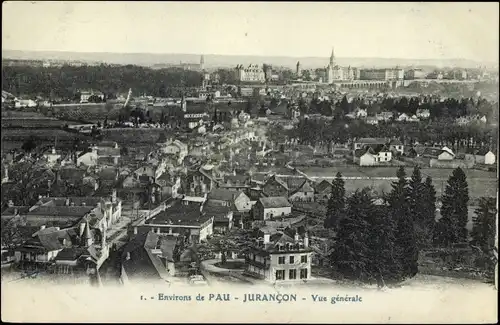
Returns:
<point x="297" y="29"/>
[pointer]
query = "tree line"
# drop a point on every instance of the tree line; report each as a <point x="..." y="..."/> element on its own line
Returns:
<point x="315" y="131"/>
<point x="66" y="81"/>
<point x="381" y="241"/>
<point x="438" y="107"/>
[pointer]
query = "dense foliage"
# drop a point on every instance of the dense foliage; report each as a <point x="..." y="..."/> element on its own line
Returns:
<point x="65" y="82"/>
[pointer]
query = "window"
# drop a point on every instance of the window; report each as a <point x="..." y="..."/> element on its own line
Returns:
<point x="303" y="273"/>
<point x="303" y="259"/>
<point x="292" y="259"/>
<point x="281" y="260"/>
<point x="280" y="275"/>
<point x="292" y="274"/>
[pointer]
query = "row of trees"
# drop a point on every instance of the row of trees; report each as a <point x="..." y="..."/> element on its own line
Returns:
<point x="313" y="131"/>
<point x="448" y="108"/>
<point x="64" y="82"/>
<point x="382" y="241"/>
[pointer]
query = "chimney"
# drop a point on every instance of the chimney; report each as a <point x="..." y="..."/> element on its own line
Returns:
<point x="267" y="239"/>
<point x="53" y="151"/>
<point x="306" y="240"/>
<point x="296" y="237"/>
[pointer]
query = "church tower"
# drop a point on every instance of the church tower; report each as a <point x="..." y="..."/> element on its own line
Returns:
<point x="298" y="70"/>
<point x="332" y="59"/>
<point x="202" y="63"/>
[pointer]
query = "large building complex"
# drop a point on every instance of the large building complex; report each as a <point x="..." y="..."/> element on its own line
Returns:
<point x="382" y="74"/>
<point x="252" y="73"/>
<point x="335" y="72"/>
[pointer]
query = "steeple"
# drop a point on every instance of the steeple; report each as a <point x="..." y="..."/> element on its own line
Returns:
<point x="202" y="63"/>
<point x="332" y="58"/>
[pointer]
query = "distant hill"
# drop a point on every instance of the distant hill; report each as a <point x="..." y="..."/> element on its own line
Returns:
<point x="214" y="61"/>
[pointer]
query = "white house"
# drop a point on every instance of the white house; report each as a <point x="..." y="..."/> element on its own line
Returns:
<point x="485" y="156"/>
<point x="361" y="113"/>
<point x="446" y="154"/>
<point x="279" y="257"/>
<point x="52" y="157"/>
<point x="25" y="103"/>
<point x="403" y="117"/>
<point x="372" y="120"/>
<point x="423" y="113"/>
<point x="271" y="207"/>
<point x="373" y="156"/>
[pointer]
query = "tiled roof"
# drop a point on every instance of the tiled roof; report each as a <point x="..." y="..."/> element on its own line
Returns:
<point x="110" y="152"/>
<point x="214" y="210"/>
<point x="180" y="214"/>
<point x="222" y="194"/>
<point x="372" y="141"/>
<point x="61" y="211"/>
<point x="274" y="202"/>
<point x="323" y="186"/>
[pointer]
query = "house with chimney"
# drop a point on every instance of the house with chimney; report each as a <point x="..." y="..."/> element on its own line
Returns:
<point x="175" y="148"/>
<point x="271" y="207"/>
<point x="76" y="250"/>
<point x="323" y="190"/>
<point x="238" y="203"/>
<point x="202" y="180"/>
<point x="276" y="256"/>
<point x="105" y="153"/>
<point x="181" y="219"/>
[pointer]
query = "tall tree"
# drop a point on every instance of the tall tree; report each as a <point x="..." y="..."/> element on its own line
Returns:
<point x="428" y="223"/>
<point x="385" y="265"/>
<point x="417" y="202"/>
<point x="405" y="239"/>
<point x="484" y="229"/>
<point x="451" y="227"/>
<point x="336" y="202"/>
<point x="351" y="256"/>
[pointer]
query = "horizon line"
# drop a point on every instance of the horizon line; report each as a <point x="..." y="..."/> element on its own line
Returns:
<point x="256" y="55"/>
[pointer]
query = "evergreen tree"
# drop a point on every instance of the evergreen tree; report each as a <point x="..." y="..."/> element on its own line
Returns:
<point x="405" y="239"/>
<point x="484" y="230"/>
<point x="384" y="266"/>
<point x="336" y="202"/>
<point x="427" y="224"/>
<point x="451" y="228"/>
<point x="351" y="256"/>
<point x="421" y="204"/>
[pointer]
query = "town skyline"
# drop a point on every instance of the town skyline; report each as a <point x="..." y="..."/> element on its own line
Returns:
<point x="247" y="29"/>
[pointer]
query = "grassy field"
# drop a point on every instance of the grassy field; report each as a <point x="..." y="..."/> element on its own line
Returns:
<point x="21" y="134"/>
<point x="481" y="183"/>
<point x="132" y="136"/>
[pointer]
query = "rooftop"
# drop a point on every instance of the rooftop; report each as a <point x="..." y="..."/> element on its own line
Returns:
<point x="180" y="214"/>
<point x="274" y="202"/>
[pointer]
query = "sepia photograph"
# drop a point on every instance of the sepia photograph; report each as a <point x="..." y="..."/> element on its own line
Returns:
<point x="249" y="162"/>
